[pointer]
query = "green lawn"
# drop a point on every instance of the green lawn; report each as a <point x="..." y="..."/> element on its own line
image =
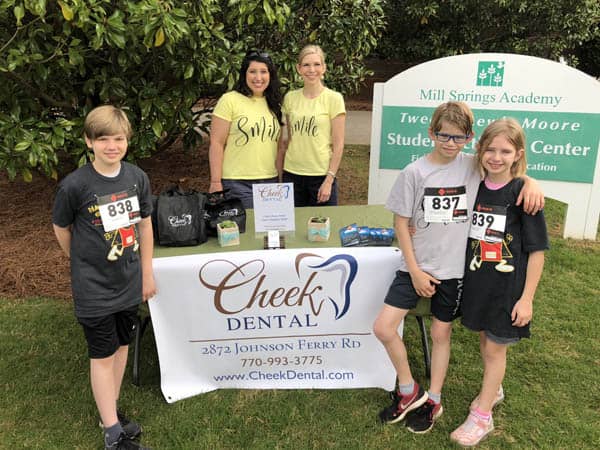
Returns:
<point x="552" y="384"/>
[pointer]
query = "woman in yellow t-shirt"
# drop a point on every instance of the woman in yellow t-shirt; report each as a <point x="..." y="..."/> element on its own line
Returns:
<point x="245" y="130"/>
<point x="315" y="120"/>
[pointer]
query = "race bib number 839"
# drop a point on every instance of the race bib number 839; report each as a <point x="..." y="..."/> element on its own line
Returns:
<point x="488" y="223"/>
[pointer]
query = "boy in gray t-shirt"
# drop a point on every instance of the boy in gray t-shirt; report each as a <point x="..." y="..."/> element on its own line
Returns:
<point x="434" y="196"/>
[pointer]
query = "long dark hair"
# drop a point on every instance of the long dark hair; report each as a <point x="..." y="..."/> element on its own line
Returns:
<point x="272" y="93"/>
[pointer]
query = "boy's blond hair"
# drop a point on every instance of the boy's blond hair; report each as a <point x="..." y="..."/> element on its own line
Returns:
<point x="455" y="113"/>
<point x="106" y="120"/>
<point x="511" y="130"/>
<point x="309" y="50"/>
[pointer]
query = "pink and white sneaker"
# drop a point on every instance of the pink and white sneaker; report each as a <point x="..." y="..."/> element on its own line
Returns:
<point x="472" y="431"/>
<point x="498" y="399"/>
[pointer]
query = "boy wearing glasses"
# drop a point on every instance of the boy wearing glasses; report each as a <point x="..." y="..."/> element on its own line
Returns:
<point x="434" y="196"/>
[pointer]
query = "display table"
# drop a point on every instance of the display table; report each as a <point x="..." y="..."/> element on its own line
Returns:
<point x="295" y="318"/>
<point x="340" y="216"/>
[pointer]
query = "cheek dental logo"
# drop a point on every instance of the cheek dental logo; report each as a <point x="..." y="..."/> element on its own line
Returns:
<point x="180" y="221"/>
<point x="248" y="288"/>
<point x="274" y="193"/>
<point x="347" y="267"/>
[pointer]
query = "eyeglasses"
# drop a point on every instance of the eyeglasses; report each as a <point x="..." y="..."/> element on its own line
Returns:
<point x="457" y="138"/>
<point x="260" y="54"/>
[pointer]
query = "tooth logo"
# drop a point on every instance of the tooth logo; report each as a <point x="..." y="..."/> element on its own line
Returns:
<point x="347" y="268"/>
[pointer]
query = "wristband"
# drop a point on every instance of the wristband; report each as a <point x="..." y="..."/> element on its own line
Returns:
<point x="215" y="182"/>
<point x="329" y="172"/>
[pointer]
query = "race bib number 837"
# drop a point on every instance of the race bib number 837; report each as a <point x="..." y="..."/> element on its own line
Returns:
<point x="444" y="205"/>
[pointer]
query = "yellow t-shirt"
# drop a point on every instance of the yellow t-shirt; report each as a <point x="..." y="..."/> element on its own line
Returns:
<point x="309" y="120"/>
<point x="251" y="147"/>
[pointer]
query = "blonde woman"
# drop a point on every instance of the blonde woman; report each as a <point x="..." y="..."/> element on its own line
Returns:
<point x="315" y="117"/>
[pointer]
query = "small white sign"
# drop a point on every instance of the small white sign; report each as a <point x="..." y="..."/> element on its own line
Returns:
<point x="274" y="207"/>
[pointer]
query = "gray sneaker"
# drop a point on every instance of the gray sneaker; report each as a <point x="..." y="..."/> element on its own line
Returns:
<point x="132" y="429"/>
<point x="125" y="444"/>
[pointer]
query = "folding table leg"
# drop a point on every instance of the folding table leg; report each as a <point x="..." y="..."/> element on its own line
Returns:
<point x="425" y="343"/>
<point x="140" y="328"/>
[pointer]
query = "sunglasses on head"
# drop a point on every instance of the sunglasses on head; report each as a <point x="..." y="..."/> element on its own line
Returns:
<point x="259" y="53"/>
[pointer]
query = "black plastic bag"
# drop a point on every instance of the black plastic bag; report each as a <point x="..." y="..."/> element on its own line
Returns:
<point x="180" y="218"/>
<point x="220" y="208"/>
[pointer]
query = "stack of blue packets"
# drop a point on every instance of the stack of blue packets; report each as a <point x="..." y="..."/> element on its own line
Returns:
<point x="362" y="236"/>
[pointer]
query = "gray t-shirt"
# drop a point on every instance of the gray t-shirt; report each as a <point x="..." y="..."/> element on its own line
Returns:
<point x="106" y="274"/>
<point x="439" y="247"/>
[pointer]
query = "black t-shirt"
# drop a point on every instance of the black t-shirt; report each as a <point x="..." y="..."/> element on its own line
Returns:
<point x="106" y="274"/>
<point x="495" y="272"/>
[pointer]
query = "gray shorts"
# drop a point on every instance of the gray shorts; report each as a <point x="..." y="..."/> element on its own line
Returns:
<point x="501" y="340"/>
<point x="445" y="303"/>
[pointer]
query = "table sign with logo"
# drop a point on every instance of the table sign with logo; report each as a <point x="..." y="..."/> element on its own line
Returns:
<point x="560" y="118"/>
<point x="290" y="319"/>
<point x="273" y="207"/>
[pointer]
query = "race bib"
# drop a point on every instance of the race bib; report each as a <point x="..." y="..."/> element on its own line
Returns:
<point x="488" y="223"/>
<point x="444" y="205"/>
<point x="119" y="210"/>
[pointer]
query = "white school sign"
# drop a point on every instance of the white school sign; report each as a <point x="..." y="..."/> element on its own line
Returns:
<point x="558" y="107"/>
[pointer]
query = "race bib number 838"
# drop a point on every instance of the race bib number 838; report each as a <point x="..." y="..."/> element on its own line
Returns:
<point x="119" y="210"/>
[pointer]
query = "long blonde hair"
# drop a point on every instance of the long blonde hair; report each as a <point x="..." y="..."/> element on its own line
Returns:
<point x="511" y="130"/>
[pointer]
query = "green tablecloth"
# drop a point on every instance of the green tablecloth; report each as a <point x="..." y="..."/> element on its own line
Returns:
<point x="339" y="216"/>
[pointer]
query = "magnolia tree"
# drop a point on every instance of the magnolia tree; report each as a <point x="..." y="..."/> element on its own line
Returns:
<point x="162" y="61"/>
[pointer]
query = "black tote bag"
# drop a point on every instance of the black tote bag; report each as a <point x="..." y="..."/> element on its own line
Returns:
<point x="180" y="217"/>
<point x="219" y="208"/>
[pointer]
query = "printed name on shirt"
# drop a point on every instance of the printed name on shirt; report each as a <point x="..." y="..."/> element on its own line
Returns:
<point x="260" y="129"/>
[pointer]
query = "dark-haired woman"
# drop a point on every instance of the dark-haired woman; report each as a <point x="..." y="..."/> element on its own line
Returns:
<point x="245" y="130"/>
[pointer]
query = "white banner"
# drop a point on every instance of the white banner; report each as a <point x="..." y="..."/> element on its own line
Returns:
<point x="280" y="319"/>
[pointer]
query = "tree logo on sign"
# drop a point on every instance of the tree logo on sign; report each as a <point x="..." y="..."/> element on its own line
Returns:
<point x="490" y="73"/>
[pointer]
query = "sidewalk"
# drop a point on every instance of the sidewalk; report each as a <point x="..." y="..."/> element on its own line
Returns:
<point x="358" y="128"/>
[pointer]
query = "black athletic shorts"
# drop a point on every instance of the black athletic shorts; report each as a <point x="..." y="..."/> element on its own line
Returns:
<point x="445" y="303"/>
<point x="106" y="334"/>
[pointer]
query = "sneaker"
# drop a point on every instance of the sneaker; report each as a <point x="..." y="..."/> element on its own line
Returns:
<point x="123" y="443"/>
<point x="132" y="429"/>
<point x="498" y="399"/>
<point x="472" y="431"/>
<point x="421" y="419"/>
<point x="402" y="404"/>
